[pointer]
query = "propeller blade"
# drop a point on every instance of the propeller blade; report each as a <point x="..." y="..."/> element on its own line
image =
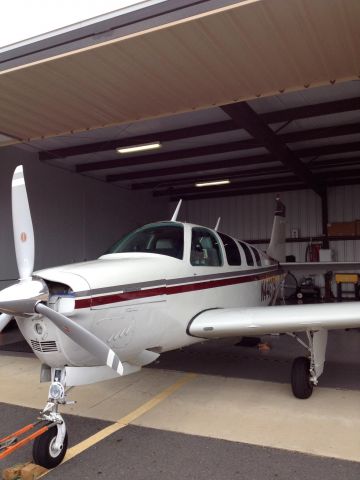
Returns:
<point x="22" y="224"/>
<point x="4" y="320"/>
<point x="22" y="297"/>
<point x="83" y="337"/>
<point x="25" y="249"/>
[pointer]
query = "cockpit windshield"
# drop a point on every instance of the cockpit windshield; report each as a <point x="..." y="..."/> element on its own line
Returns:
<point x="162" y="238"/>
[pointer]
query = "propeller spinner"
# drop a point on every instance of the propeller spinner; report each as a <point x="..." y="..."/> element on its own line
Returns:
<point x="27" y="296"/>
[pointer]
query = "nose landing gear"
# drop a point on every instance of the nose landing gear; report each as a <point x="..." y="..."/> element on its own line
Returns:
<point x="49" y="449"/>
<point x="48" y="432"/>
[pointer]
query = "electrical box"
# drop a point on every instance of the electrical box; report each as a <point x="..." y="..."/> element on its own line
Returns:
<point x="325" y="255"/>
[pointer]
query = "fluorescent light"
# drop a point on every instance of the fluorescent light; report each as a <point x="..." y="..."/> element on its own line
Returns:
<point x="209" y="184"/>
<point x="139" y="148"/>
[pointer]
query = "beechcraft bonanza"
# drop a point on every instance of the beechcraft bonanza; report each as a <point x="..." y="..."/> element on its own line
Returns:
<point x="164" y="286"/>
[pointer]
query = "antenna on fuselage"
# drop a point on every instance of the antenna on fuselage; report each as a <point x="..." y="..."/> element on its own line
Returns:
<point x="175" y="214"/>
<point x="217" y="224"/>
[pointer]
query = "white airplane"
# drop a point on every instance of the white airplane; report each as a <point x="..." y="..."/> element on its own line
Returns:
<point x="164" y="286"/>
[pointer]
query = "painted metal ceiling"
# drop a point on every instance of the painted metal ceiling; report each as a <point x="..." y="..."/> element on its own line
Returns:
<point x="242" y="51"/>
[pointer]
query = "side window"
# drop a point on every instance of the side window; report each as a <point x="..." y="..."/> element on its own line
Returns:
<point x="205" y="249"/>
<point x="248" y="256"/>
<point x="257" y="256"/>
<point x="231" y="250"/>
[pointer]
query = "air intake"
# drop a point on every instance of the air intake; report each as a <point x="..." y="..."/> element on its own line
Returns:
<point x="44" y="347"/>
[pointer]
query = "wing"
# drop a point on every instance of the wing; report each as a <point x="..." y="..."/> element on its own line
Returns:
<point x="320" y="267"/>
<point x="232" y="322"/>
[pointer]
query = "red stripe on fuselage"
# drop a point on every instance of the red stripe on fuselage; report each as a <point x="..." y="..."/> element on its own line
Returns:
<point x="170" y="290"/>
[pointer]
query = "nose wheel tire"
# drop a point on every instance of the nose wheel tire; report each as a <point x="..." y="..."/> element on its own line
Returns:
<point x="44" y="452"/>
<point x="301" y="385"/>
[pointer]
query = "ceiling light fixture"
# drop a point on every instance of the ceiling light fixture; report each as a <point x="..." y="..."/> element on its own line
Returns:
<point x="139" y="148"/>
<point x="210" y="184"/>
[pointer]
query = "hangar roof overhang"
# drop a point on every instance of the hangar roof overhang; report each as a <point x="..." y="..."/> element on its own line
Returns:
<point x="236" y="52"/>
<point x="180" y="75"/>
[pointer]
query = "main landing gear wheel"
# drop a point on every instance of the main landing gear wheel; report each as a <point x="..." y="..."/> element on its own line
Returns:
<point x="301" y="384"/>
<point x="44" y="451"/>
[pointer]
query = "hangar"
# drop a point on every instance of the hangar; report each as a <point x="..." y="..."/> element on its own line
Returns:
<point x="262" y="95"/>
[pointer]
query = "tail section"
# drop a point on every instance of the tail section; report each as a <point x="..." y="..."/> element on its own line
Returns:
<point x="276" y="247"/>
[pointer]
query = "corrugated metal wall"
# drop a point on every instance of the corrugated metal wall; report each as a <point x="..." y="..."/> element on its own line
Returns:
<point x="344" y="206"/>
<point x="250" y="217"/>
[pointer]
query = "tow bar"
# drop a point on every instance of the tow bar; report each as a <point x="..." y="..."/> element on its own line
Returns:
<point x="12" y="442"/>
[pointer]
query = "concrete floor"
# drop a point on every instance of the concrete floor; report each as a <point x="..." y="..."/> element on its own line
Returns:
<point x="235" y="419"/>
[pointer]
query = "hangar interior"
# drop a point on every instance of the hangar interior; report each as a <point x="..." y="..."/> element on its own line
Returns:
<point x="264" y="95"/>
<point x="298" y="138"/>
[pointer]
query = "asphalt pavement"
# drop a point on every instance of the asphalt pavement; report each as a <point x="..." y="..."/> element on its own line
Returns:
<point x="138" y="453"/>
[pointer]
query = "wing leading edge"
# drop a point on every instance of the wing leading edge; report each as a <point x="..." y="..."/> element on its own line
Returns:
<point x="232" y="322"/>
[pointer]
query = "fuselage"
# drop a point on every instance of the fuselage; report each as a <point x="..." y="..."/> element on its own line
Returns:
<point x="144" y="298"/>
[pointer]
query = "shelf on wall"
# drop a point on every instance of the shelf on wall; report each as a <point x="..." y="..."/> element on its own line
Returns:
<point x="308" y="239"/>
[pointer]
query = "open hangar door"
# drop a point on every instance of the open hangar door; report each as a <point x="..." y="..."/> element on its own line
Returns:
<point x="268" y="116"/>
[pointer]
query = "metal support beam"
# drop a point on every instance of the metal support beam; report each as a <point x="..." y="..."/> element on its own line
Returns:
<point x="335" y="162"/>
<point x="222" y="148"/>
<point x="235" y="193"/>
<point x="194" y="132"/>
<point x="228" y="164"/>
<point x="286" y="115"/>
<point x="234" y="176"/>
<point x="323" y="132"/>
<point x="166" y="136"/>
<point x="215" y="193"/>
<point x="269" y="182"/>
<point x="325" y="217"/>
<point x="309" y="111"/>
<point x="329" y="149"/>
<point x="130" y="161"/>
<point x="242" y="114"/>
<point x="193" y="167"/>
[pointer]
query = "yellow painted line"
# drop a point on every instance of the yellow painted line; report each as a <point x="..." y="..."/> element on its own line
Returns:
<point x="89" y="442"/>
<point x="124" y="421"/>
